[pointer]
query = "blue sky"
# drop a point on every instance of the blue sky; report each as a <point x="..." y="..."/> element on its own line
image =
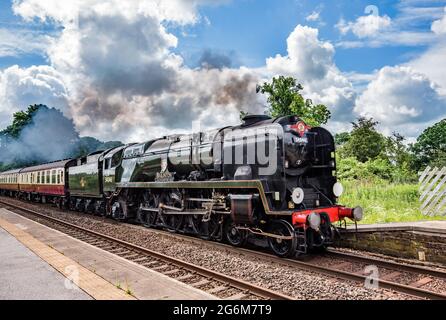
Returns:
<point x="249" y="31"/>
<point x="140" y="63"/>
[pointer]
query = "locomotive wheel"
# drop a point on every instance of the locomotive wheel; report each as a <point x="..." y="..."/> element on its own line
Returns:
<point x="235" y="237"/>
<point x="282" y="248"/>
<point x="173" y="222"/>
<point x="150" y="218"/>
<point x="195" y="223"/>
<point x="213" y="229"/>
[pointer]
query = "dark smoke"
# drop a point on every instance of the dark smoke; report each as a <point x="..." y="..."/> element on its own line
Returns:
<point x="238" y="90"/>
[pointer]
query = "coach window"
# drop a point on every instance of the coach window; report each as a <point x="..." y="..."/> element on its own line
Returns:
<point x="53" y="176"/>
<point x="62" y="177"/>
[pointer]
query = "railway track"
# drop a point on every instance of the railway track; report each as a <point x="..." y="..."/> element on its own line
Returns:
<point x="333" y="263"/>
<point x="212" y="282"/>
<point x="391" y="271"/>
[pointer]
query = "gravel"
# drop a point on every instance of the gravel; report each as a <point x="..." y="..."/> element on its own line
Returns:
<point x="300" y="284"/>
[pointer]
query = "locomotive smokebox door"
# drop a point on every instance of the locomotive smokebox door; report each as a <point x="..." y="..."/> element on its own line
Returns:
<point x="242" y="208"/>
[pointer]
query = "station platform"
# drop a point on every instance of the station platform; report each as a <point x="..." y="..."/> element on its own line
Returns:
<point x="24" y="276"/>
<point x="421" y="240"/>
<point x="65" y="261"/>
<point x="420" y="226"/>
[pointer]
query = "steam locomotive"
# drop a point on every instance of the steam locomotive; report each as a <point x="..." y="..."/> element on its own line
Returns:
<point x="266" y="178"/>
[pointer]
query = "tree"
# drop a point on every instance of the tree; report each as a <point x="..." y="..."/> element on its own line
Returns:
<point x="285" y="98"/>
<point x="399" y="156"/>
<point x="20" y="120"/>
<point x="365" y="142"/>
<point x="342" y="138"/>
<point x="87" y="145"/>
<point x="430" y="147"/>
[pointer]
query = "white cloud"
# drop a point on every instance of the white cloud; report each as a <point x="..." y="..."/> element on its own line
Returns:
<point x="365" y="26"/>
<point x="391" y="38"/>
<point x="16" y="42"/>
<point x="310" y="60"/>
<point x="20" y="88"/>
<point x="400" y="98"/>
<point x="117" y="64"/>
<point x="114" y="71"/>
<point x="439" y="26"/>
<point x="429" y="63"/>
<point x="314" y="16"/>
<point x="116" y="61"/>
<point x="406" y="27"/>
<point x="307" y="55"/>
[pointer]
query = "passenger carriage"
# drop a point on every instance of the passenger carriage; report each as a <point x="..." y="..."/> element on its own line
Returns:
<point x="9" y="184"/>
<point x="46" y="182"/>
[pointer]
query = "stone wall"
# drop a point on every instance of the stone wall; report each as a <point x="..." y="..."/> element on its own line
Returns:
<point x="430" y="247"/>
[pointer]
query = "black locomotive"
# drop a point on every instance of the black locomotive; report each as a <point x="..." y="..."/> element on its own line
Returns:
<point x="269" y="178"/>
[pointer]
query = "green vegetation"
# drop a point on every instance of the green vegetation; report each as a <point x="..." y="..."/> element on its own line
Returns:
<point x="384" y="202"/>
<point x="20" y="120"/>
<point x="430" y="147"/>
<point x="285" y="98"/>
<point x="380" y="173"/>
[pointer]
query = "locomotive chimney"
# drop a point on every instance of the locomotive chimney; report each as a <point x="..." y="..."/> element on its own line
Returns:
<point x="254" y="118"/>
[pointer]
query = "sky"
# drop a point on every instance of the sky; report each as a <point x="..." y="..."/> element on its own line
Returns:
<point x="138" y="69"/>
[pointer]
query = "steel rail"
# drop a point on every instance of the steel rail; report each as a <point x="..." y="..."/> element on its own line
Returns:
<point x="410" y="290"/>
<point x="387" y="264"/>
<point x="237" y="283"/>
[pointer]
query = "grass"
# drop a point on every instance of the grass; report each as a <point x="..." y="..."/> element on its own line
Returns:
<point x="385" y="202"/>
